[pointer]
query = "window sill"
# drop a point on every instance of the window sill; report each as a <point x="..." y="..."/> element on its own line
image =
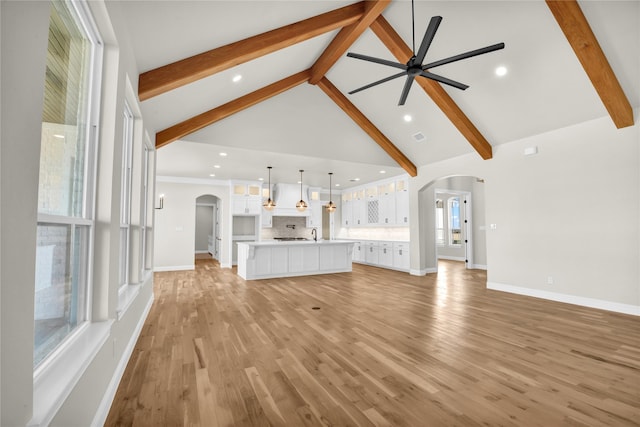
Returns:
<point x="54" y="381"/>
<point x="128" y="294"/>
<point x="125" y="298"/>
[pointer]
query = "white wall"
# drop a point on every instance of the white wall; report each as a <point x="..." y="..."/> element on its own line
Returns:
<point x="23" y="40"/>
<point x="24" y="48"/>
<point x="569" y="212"/>
<point x="175" y="224"/>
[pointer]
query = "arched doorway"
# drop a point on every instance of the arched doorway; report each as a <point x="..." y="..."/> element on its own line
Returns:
<point x="207" y="230"/>
<point x="452" y="222"/>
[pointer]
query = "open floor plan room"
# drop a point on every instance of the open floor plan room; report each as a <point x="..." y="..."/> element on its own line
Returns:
<point x="374" y="347"/>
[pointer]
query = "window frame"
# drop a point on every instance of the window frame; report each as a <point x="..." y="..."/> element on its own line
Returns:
<point x="84" y="20"/>
<point x="450" y="218"/>
<point x="126" y="190"/>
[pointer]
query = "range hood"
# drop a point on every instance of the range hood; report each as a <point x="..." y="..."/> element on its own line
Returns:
<point x="286" y="196"/>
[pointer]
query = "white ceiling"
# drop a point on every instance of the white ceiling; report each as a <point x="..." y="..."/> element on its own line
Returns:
<point x="545" y="88"/>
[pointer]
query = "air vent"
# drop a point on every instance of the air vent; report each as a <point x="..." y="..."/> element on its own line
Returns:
<point x="419" y="136"/>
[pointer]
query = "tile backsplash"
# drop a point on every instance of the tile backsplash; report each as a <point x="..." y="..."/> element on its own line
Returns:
<point x="280" y="229"/>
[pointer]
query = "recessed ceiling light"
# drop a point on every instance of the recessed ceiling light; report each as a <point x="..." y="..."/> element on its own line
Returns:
<point x="57" y="135"/>
<point x="501" y="71"/>
<point x="212" y="174"/>
<point x="383" y="171"/>
<point x="354" y="179"/>
<point x="407" y="117"/>
<point x="337" y="185"/>
<point x="260" y="179"/>
<point x="216" y="166"/>
<point x="223" y="154"/>
<point x="237" y="78"/>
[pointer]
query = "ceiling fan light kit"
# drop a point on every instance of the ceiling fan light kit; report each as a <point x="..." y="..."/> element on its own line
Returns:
<point x="415" y="67"/>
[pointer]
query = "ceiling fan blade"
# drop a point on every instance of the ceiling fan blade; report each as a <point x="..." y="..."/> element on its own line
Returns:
<point x="405" y="90"/>
<point x="465" y="55"/>
<point x="428" y="38"/>
<point x="386" y="79"/>
<point x="444" y="80"/>
<point x="377" y="60"/>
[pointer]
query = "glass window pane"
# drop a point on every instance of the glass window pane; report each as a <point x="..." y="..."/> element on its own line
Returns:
<point x="60" y="297"/>
<point x="64" y="117"/>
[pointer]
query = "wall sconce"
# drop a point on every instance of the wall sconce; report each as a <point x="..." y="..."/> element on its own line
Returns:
<point x="161" y="202"/>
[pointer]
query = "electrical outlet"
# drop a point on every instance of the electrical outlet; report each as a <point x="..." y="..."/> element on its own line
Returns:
<point x="549" y="280"/>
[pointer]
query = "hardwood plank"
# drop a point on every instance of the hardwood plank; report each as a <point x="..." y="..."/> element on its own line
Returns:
<point x="345" y="38"/>
<point x="385" y="348"/>
<point x="171" y="76"/>
<point x="436" y="92"/>
<point x="207" y="118"/>
<point x="584" y="43"/>
<point x="366" y="125"/>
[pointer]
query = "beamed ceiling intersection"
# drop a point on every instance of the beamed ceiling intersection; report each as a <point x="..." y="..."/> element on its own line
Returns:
<point x="352" y="21"/>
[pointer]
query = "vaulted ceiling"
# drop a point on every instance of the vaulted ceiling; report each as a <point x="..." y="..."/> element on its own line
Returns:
<point x="567" y="63"/>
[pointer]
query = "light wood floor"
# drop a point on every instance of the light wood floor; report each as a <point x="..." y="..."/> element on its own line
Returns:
<point x="383" y="348"/>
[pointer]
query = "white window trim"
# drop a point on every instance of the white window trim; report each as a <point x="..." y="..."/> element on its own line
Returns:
<point x="56" y="376"/>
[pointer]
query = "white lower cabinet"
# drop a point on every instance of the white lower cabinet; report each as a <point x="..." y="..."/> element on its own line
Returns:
<point x="385" y="254"/>
<point x="371" y="254"/>
<point x="401" y="259"/>
<point x="393" y="255"/>
<point x="358" y="252"/>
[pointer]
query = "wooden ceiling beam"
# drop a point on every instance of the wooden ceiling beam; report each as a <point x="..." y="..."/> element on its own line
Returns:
<point x="366" y="125"/>
<point x="168" y="77"/>
<point x="578" y="32"/>
<point x="200" y="121"/>
<point x="436" y="92"/>
<point x="345" y="38"/>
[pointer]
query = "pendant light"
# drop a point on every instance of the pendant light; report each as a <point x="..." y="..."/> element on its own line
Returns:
<point x="269" y="204"/>
<point x="331" y="207"/>
<point x="301" y="205"/>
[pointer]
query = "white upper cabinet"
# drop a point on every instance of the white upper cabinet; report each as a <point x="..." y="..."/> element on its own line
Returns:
<point x="382" y="203"/>
<point x="402" y="201"/>
<point x="246" y="199"/>
<point x="346" y="209"/>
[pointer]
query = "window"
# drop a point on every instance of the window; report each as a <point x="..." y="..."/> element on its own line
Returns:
<point x="145" y="215"/>
<point x="67" y="176"/>
<point x="125" y="204"/>
<point x="455" y="235"/>
<point x="440" y="223"/>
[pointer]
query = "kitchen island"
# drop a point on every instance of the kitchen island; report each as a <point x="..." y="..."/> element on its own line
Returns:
<point x="271" y="259"/>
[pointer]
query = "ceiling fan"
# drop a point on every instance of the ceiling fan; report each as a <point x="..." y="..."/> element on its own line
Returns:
<point x="415" y="68"/>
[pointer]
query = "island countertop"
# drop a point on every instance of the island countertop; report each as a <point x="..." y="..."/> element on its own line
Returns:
<point x="297" y="242"/>
<point x="277" y="258"/>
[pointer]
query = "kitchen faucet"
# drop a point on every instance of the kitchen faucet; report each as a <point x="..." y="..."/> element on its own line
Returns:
<point x="314" y="233"/>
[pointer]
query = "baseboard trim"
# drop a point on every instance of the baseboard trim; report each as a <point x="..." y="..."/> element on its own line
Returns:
<point x="422" y="272"/>
<point x="107" y="400"/>
<point x="633" y="310"/>
<point x="206" y="251"/>
<point x="478" y="267"/>
<point x="175" y="268"/>
<point x="451" y="258"/>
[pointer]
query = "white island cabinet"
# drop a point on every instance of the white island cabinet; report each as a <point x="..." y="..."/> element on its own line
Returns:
<point x="271" y="259"/>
